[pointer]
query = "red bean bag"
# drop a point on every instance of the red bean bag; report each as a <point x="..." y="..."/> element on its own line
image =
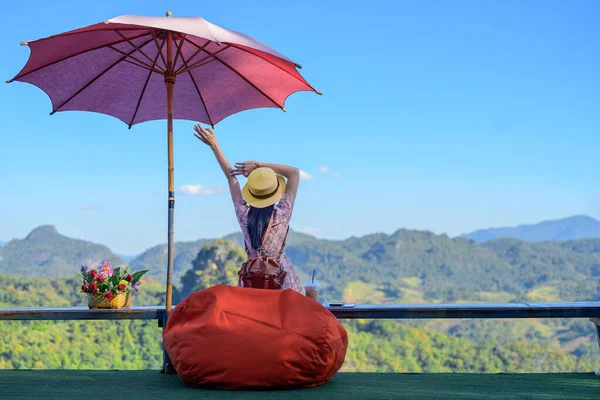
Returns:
<point x="233" y="338"/>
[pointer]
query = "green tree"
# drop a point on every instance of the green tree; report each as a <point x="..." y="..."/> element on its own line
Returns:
<point x="217" y="263"/>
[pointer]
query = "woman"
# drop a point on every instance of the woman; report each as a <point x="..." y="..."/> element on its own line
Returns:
<point x="265" y="195"/>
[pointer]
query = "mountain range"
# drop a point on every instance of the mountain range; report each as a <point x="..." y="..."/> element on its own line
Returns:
<point x="575" y="227"/>
<point x="45" y="252"/>
<point x="407" y="265"/>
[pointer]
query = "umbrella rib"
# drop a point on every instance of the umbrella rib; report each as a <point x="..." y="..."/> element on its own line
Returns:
<point x="94" y="80"/>
<point x="103" y="28"/>
<point x="158" y="47"/>
<point x="136" y="47"/>
<point x="277" y="66"/>
<point x="141" y="63"/>
<point x="199" y="93"/>
<point x="196" y="65"/>
<point x="141" y="66"/>
<point x="144" y="89"/>
<point x="178" y="52"/>
<point x="201" y="62"/>
<point x="246" y="79"/>
<point x="237" y="73"/>
<point x="74" y="55"/>
<point x="193" y="55"/>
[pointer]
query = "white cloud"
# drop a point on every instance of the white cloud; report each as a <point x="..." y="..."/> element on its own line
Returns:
<point x="309" y="230"/>
<point x="305" y="176"/>
<point x="326" y="170"/>
<point x="199" y="190"/>
<point x="89" y="207"/>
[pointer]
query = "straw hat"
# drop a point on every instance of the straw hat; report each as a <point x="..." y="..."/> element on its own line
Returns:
<point x="264" y="188"/>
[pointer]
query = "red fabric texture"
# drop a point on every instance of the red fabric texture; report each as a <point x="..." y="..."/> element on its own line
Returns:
<point x="234" y="338"/>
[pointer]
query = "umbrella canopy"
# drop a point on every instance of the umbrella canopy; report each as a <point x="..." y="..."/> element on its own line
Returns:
<point x="118" y="67"/>
<point x="122" y="66"/>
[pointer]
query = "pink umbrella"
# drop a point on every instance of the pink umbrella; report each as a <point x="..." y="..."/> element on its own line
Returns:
<point x="120" y="68"/>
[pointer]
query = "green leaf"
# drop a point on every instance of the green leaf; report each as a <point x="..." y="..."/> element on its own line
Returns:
<point x="137" y="276"/>
<point x="86" y="277"/>
<point x="116" y="277"/>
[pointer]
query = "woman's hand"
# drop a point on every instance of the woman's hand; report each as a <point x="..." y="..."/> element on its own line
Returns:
<point x="206" y="135"/>
<point x="244" y="168"/>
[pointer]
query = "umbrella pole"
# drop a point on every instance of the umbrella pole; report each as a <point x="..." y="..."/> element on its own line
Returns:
<point x="170" y="83"/>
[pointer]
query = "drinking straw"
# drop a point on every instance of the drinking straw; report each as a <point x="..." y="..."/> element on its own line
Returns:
<point x="313" y="278"/>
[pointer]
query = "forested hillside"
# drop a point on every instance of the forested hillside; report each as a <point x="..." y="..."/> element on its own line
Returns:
<point x="44" y="250"/>
<point x="383" y="346"/>
<point x="405" y="267"/>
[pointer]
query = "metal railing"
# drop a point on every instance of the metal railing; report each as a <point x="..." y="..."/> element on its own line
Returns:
<point x="589" y="310"/>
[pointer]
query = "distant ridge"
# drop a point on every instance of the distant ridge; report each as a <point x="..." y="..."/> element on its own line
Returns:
<point x="45" y="252"/>
<point x="126" y="258"/>
<point x="571" y="228"/>
<point x="155" y="259"/>
<point x="431" y="258"/>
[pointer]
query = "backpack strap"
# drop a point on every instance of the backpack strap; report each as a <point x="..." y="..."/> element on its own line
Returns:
<point x="283" y="244"/>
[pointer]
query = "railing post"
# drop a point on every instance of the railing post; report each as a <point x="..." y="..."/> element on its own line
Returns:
<point x="596" y="322"/>
<point x="167" y="366"/>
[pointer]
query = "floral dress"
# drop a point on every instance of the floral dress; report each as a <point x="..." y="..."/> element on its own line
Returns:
<point x="282" y="213"/>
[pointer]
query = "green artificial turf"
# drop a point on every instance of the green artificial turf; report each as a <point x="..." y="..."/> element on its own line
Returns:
<point x="150" y="385"/>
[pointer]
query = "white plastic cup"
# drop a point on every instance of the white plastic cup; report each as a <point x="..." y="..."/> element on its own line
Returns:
<point x="311" y="289"/>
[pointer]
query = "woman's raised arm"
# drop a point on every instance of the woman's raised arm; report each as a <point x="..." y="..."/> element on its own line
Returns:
<point x="207" y="136"/>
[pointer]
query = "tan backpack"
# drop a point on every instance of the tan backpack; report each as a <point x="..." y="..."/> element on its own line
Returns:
<point x="263" y="272"/>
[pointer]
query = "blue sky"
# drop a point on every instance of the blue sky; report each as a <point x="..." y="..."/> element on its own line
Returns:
<point x="447" y="116"/>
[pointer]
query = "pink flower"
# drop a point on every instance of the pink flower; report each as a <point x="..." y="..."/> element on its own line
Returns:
<point x="106" y="270"/>
<point x="109" y="295"/>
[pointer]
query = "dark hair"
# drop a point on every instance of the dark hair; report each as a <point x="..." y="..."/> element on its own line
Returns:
<point x="258" y="220"/>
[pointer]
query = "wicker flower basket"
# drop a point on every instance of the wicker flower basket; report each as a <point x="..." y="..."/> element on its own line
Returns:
<point x="99" y="300"/>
